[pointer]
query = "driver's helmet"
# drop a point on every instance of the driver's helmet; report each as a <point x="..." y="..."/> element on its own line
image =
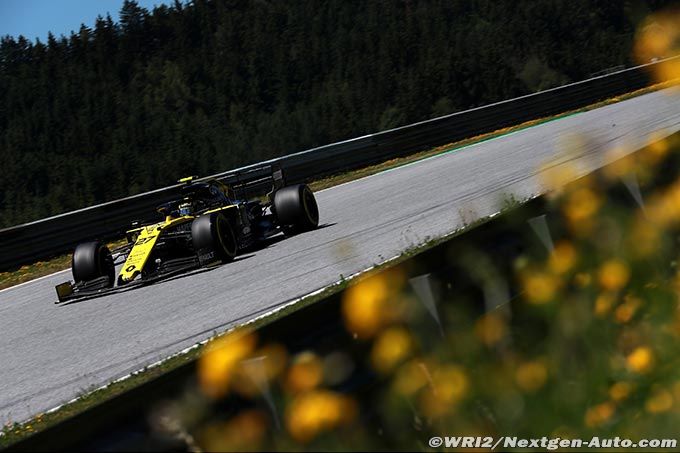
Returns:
<point x="186" y="208"/>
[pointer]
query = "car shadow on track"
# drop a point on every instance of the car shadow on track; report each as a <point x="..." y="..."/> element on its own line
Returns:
<point x="272" y="241"/>
<point x="325" y="225"/>
<point x="156" y="282"/>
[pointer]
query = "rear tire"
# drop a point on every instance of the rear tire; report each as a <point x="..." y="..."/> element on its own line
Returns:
<point x="92" y="260"/>
<point x="213" y="233"/>
<point x="296" y="209"/>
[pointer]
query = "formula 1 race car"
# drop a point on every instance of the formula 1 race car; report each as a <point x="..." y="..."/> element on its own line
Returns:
<point x="208" y="225"/>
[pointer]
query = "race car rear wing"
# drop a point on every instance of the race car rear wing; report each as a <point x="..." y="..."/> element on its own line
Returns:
<point x="255" y="182"/>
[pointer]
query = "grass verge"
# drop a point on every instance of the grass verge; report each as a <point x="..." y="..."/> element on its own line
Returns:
<point x="398" y="162"/>
<point x="41" y="268"/>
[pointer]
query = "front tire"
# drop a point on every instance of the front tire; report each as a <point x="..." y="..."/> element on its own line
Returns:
<point x="296" y="209"/>
<point x="92" y="260"/>
<point x="213" y="234"/>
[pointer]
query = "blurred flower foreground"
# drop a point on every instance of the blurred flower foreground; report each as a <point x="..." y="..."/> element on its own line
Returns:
<point x="568" y="330"/>
<point x="561" y="318"/>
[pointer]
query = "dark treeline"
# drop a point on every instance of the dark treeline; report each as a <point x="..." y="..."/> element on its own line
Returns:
<point x="134" y="104"/>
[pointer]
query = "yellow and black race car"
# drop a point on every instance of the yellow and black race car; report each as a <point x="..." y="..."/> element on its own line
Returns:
<point x="208" y="225"/>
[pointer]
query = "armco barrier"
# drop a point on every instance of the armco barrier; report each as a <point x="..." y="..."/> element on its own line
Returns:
<point x="59" y="234"/>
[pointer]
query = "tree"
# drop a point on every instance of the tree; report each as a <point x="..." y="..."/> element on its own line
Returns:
<point x="199" y="87"/>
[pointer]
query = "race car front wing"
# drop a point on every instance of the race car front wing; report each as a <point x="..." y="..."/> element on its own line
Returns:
<point x="69" y="291"/>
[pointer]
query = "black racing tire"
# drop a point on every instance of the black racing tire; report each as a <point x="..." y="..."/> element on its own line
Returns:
<point x="214" y="233"/>
<point x="296" y="209"/>
<point x="92" y="260"/>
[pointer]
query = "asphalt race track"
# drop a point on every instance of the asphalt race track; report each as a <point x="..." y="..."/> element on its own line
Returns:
<point x="50" y="354"/>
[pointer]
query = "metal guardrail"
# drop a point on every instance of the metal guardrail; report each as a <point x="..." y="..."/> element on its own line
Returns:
<point x="61" y="233"/>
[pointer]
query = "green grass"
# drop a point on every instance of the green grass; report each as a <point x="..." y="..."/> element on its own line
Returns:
<point x="401" y="161"/>
<point x="41" y="268"/>
<point x="33" y="271"/>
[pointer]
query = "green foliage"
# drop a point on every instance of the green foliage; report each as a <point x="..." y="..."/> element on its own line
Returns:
<point x="539" y="76"/>
<point x="196" y="88"/>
